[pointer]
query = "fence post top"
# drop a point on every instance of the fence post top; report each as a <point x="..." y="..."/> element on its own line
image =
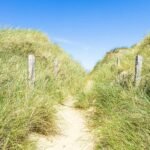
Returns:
<point x="31" y="56"/>
<point x="139" y="57"/>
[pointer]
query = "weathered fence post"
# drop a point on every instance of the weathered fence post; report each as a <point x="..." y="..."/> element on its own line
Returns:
<point x="56" y="67"/>
<point x="118" y="61"/>
<point x="138" y="70"/>
<point x="31" y="69"/>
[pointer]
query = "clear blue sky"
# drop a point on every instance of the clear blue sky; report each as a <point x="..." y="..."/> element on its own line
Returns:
<point x="86" y="29"/>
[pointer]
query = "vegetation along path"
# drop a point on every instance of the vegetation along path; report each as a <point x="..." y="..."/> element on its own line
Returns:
<point x="74" y="134"/>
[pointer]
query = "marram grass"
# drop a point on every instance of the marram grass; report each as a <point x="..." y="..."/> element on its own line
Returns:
<point x="23" y="109"/>
<point x="120" y="119"/>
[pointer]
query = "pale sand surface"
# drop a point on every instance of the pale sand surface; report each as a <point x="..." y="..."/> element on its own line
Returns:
<point x="74" y="134"/>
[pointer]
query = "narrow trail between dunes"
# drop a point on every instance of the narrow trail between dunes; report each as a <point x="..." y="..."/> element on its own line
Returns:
<point x="74" y="134"/>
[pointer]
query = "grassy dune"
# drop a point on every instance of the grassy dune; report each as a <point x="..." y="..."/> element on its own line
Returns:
<point x="120" y="116"/>
<point x="24" y="110"/>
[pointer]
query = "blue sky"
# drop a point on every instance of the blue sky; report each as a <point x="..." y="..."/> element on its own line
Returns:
<point x="86" y="29"/>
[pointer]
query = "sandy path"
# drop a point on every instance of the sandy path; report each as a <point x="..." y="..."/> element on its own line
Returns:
<point x="74" y="133"/>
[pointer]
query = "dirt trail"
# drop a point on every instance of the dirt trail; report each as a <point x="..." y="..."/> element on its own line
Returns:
<point x="74" y="133"/>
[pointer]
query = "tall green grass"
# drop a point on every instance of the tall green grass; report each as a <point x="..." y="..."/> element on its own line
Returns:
<point x="24" y="110"/>
<point x="121" y="112"/>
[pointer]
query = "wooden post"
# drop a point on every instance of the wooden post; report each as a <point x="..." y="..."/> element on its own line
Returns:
<point x="56" y="67"/>
<point x="118" y="61"/>
<point x="138" y="70"/>
<point x="31" y="69"/>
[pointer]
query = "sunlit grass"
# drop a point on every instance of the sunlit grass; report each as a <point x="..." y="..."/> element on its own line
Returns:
<point x="23" y="109"/>
<point x="121" y="117"/>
